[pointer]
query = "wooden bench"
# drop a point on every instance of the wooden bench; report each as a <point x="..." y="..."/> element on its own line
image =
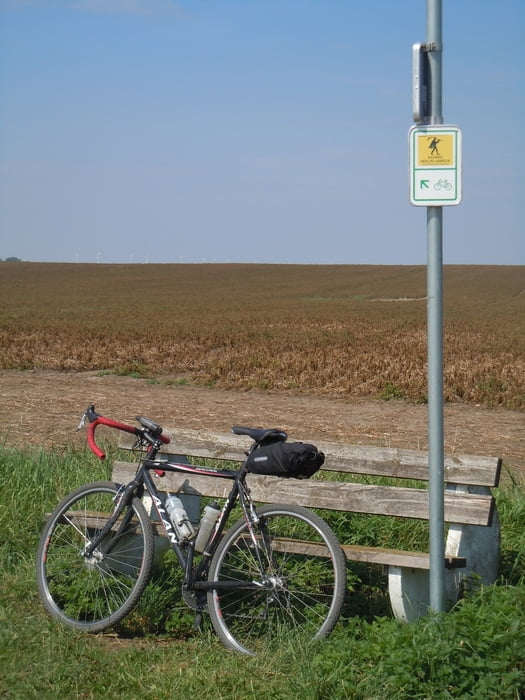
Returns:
<point x="472" y="538"/>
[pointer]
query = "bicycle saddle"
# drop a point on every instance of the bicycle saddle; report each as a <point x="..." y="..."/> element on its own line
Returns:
<point x="261" y="435"/>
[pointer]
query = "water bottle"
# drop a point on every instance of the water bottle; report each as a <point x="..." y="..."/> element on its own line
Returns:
<point x="179" y="517"/>
<point x="209" y="518"/>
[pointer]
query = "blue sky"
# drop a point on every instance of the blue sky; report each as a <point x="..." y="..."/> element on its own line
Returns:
<point x="251" y="130"/>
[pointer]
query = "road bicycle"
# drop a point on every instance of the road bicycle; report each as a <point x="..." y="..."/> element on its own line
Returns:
<point x="278" y="569"/>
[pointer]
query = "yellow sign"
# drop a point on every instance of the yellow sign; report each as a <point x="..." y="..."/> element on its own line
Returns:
<point x="436" y="149"/>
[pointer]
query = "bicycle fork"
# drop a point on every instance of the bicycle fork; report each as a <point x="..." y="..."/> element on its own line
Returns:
<point x="123" y="496"/>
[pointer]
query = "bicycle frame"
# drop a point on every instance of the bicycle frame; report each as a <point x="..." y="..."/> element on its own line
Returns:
<point x="194" y="578"/>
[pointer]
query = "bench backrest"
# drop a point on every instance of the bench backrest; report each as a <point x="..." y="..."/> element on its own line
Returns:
<point x="467" y="499"/>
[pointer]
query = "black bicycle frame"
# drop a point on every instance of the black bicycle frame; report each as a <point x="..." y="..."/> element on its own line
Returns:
<point x="195" y="579"/>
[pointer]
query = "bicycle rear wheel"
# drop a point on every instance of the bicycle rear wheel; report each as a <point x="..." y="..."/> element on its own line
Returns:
<point x="94" y="592"/>
<point x="289" y="577"/>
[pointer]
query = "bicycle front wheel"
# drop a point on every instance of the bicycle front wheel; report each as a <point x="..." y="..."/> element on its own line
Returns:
<point x="92" y="592"/>
<point x="286" y="576"/>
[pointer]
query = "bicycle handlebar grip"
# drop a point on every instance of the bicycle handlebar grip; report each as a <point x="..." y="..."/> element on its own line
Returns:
<point x="100" y="420"/>
<point x="91" y="441"/>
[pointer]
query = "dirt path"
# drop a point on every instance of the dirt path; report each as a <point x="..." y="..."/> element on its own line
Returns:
<point x="44" y="407"/>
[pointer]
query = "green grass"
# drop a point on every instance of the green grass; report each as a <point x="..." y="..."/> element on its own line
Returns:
<point x="475" y="651"/>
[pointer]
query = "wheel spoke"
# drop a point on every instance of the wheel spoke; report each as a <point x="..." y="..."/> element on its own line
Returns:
<point x="93" y="591"/>
<point x="300" y="569"/>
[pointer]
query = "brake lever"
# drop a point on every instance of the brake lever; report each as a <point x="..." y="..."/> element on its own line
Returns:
<point x="83" y="422"/>
<point x="139" y="443"/>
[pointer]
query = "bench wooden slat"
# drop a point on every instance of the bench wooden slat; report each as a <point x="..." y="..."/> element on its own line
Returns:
<point x="395" y="557"/>
<point x="368" y="555"/>
<point x="355" y="459"/>
<point x="94" y="520"/>
<point x="409" y="464"/>
<point x="359" y="498"/>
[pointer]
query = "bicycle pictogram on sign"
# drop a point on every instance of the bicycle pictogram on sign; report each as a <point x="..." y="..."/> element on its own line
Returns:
<point x="443" y="185"/>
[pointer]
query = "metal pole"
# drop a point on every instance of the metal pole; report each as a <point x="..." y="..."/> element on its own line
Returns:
<point x="435" y="331"/>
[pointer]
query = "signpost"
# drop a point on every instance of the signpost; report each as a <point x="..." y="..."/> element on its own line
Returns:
<point x="435" y="165"/>
<point x="435" y="182"/>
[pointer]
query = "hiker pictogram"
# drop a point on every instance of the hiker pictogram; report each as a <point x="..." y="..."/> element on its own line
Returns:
<point x="433" y="145"/>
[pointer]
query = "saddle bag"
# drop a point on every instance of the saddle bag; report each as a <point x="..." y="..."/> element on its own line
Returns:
<point x="298" y="460"/>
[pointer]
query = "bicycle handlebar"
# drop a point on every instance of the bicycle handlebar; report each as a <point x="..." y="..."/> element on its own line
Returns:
<point x="95" y="420"/>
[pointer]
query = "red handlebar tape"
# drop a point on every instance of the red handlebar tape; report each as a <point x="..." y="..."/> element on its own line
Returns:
<point x="100" y="420"/>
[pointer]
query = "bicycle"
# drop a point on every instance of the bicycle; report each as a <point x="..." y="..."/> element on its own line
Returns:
<point x="278" y="568"/>
<point x="442" y="184"/>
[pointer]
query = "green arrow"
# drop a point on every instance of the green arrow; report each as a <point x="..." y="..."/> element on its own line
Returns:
<point x="424" y="183"/>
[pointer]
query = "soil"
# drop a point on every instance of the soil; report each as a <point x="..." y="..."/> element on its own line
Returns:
<point x="43" y="408"/>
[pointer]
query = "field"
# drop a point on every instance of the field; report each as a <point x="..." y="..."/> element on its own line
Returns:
<point x="357" y="331"/>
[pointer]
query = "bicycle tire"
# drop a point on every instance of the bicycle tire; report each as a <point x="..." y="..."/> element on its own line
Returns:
<point x="92" y="594"/>
<point x="298" y="590"/>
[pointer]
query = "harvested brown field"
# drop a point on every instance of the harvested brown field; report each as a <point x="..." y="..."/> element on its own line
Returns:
<point x="358" y="331"/>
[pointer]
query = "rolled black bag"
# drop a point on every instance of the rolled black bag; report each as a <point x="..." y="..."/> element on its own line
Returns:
<point x="297" y="460"/>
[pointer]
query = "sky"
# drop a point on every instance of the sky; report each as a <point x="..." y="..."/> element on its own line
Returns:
<point x="269" y="131"/>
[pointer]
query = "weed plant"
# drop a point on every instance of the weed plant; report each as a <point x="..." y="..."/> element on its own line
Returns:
<point x="474" y="651"/>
